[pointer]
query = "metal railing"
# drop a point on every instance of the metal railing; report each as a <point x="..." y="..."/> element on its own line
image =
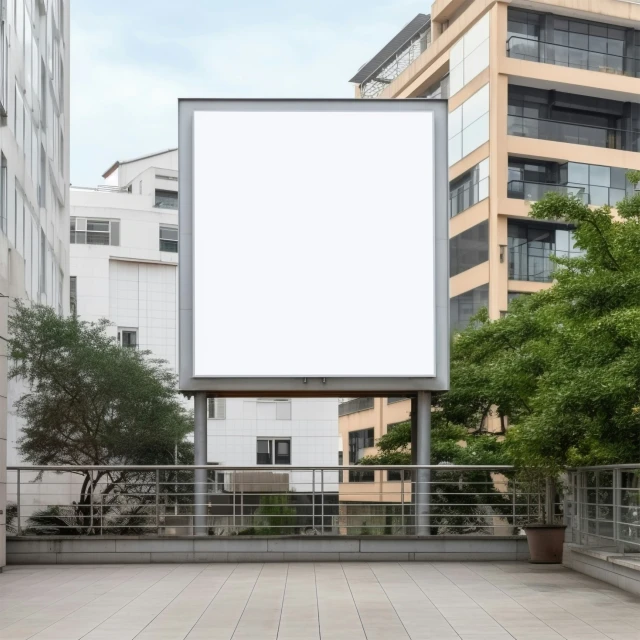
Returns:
<point x="355" y="405"/>
<point x="393" y="67"/>
<point x="561" y="131"/>
<point x="272" y="500"/>
<point x="523" y="48"/>
<point x="603" y="506"/>
<point x="534" y="191"/>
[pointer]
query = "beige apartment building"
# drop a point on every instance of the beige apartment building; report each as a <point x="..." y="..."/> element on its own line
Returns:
<point x="543" y="96"/>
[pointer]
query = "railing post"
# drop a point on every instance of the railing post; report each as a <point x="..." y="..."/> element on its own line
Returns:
<point x="233" y="517"/>
<point x="402" y="500"/>
<point x="18" y="525"/>
<point x="157" y="501"/>
<point x="313" y="499"/>
<point x="617" y="509"/>
<point x="514" y="491"/>
<point x="322" y="501"/>
<point x="90" y="502"/>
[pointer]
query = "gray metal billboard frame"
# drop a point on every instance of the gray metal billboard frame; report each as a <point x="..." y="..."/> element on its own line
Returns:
<point x="296" y="386"/>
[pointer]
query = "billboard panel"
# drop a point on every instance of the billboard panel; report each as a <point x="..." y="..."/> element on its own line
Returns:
<point x="313" y="251"/>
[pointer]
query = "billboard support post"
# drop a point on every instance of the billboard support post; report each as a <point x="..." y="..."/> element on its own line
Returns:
<point x="423" y="442"/>
<point x="200" y="458"/>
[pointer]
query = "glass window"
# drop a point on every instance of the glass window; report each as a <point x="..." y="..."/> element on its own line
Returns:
<point x="361" y="476"/>
<point x="455" y="122"/>
<point x="475" y="135"/>
<point x="73" y="295"/>
<point x="19" y="202"/>
<point x="470" y="55"/>
<point x="475" y="107"/>
<point x="464" y="306"/>
<point x="283" y="451"/>
<point x="273" y="451"/>
<point x="469" y="248"/>
<point x="3" y="194"/>
<point x="469" y="189"/>
<point x="473" y="117"/>
<point x="19" y="118"/>
<point x="97" y="232"/>
<point x="358" y="442"/>
<point x="578" y="173"/>
<point x="600" y="176"/>
<point x="169" y="239"/>
<point x="216" y="408"/>
<point x="128" y="338"/>
<point x="166" y="199"/>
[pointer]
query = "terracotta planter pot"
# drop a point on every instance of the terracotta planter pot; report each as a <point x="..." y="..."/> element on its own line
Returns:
<point x="545" y="543"/>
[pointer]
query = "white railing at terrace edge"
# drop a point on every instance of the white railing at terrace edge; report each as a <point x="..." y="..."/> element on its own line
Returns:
<point x="603" y="506"/>
<point x="274" y="500"/>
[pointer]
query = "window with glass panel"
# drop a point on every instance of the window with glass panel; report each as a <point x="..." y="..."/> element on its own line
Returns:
<point x="366" y="475"/>
<point x="73" y="295"/>
<point x="95" y="231"/>
<point x="469" y="55"/>
<point x="169" y="239"/>
<point x="469" y="189"/>
<point x="464" y="306"/>
<point x="469" y="125"/>
<point x="128" y="338"/>
<point x="359" y="441"/>
<point x="273" y="451"/>
<point x="469" y="248"/>
<point x="166" y="199"/>
<point x="531" y="246"/>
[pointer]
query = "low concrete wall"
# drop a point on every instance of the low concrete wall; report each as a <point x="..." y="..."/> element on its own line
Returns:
<point x="608" y="565"/>
<point x="111" y="549"/>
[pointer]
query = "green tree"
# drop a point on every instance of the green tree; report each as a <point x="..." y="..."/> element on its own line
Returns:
<point x="92" y="402"/>
<point x="564" y="364"/>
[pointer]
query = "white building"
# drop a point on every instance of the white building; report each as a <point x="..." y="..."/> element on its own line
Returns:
<point x="124" y="267"/>
<point x="34" y="179"/>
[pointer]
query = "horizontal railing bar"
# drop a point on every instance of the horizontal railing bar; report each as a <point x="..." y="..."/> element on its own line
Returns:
<point x="170" y="467"/>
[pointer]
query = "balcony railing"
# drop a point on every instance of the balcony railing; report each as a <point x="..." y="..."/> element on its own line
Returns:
<point x="355" y="405"/>
<point x="533" y="191"/>
<point x="462" y="199"/>
<point x="595" y="195"/>
<point x="271" y="500"/>
<point x="603" y="506"/>
<point x="524" y="48"/>
<point x="559" y="131"/>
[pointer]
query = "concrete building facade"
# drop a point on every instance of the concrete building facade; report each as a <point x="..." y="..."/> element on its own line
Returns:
<point x="124" y="259"/>
<point x="34" y="179"/>
<point x="543" y="96"/>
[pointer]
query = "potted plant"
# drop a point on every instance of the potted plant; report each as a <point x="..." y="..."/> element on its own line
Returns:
<point x="545" y="533"/>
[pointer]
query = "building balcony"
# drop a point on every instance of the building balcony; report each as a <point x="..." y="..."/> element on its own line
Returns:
<point x="523" y="48"/>
<point x="562" y="131"/>
<point x="594" y="195"/>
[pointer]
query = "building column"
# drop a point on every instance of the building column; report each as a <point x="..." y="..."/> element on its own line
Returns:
<point x="201" y="500"/>
<point x="423" y="457"/>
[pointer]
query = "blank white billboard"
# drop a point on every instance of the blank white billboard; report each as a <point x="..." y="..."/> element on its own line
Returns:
<point x="313" y="244"/>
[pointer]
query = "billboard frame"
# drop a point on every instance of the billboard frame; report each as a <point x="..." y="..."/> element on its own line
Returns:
<point x="296" y="386"/>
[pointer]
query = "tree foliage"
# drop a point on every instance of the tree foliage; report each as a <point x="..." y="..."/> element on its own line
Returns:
<point x="561" y="369"/>
<point x="91" y="402"/>
<point x="564" y="364"/>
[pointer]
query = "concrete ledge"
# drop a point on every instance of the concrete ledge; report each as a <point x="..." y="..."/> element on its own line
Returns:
<point x="608" y="565"/>
<point x="126" y="549"/>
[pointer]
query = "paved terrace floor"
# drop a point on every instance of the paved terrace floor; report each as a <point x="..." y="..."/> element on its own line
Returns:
<point x="381" y="601"/>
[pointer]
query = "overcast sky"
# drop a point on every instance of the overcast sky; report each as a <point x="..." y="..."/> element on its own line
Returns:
<point x="132" y="59"/>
